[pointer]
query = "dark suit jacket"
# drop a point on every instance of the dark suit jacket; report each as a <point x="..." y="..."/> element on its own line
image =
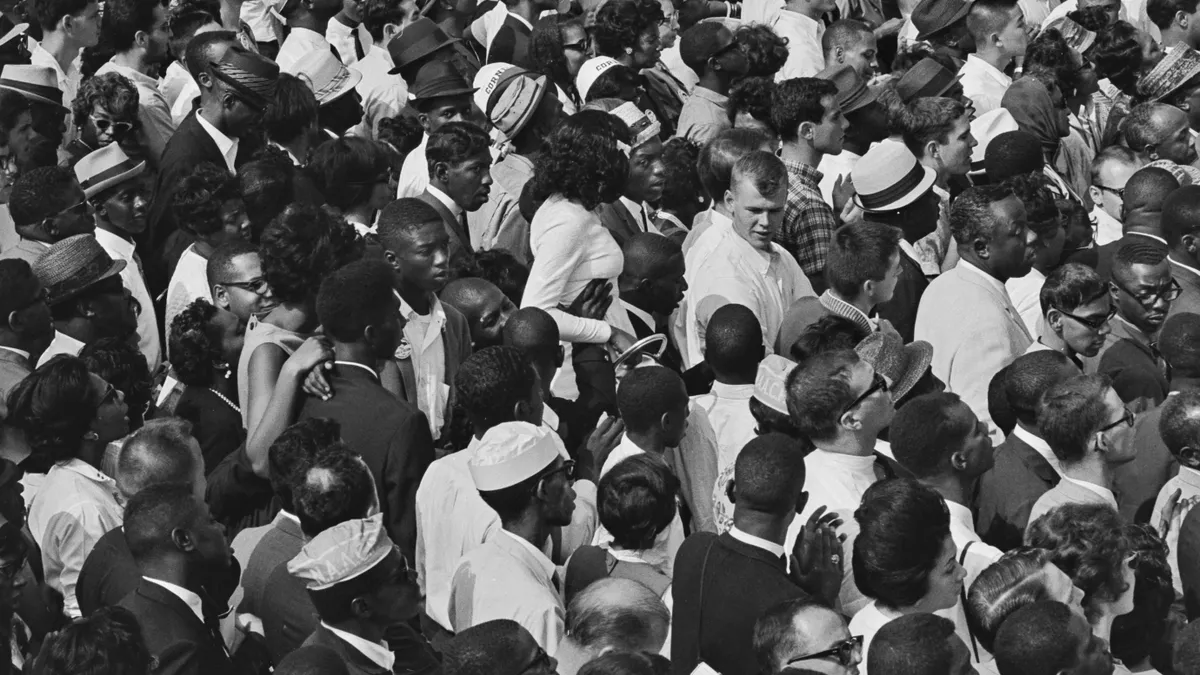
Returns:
<point x="391" y="435"/>
<point x="274" y="595"/>
<point x="511" y="43"/>
<point x="216" y="426"/>
<point x="1135" y="369"/>
<point x="1189" y="301"/>
<point x="109" y="573"/>
<point x="617" y="219"/>
<point x="1189" y="562"/>
<point x="413" y="653"/>
<point x="698" y="379"/>
<point x="176" y="638"/>
<point x="718" y="600"/>
<point x="901" y="310"/>
<point x="461" y="253"/>
<point x="1007" y="493"/>
<point x="1137" y="483"/>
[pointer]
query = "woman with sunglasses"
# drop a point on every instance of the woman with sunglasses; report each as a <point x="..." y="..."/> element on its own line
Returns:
<point x="105" y="111"/>
<point x="628" y="31"/>
<point x="69" y="416"/>
<point x="904" y="557"/>
<point x="558" y="48"/>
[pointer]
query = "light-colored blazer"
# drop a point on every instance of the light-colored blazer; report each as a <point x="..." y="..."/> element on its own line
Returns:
<point x="1066" y="492"/>
<point x="975" y="331"/>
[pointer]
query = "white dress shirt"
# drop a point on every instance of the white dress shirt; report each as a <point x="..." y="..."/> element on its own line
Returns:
<point x="76" y="505"/>
<point x="1025" y="293"/>
<point x="984" y="84"/>
<point x="641" y="214"/>
<point x="867" y="622"/>
<point x="61" y="344"/>
<point x="298" y="44"/>
<point x="342" y="37"/>
<point x="728" y="409"/>
<point x="1188" y="484"/>
<point x="189" y="598"/>
<point x="377" y="652"/>
<point x="173" y="83"/>
<point x="147" y="321"/>
<point x="414" y="174"/>
<point x="728" y="270"/>
<point x="383" y="95"/>
<point x="805" y="57"/>
<point x="228" y="147"/>
<point x="68" y="79"/>
<point x="424" y="335"/>
<point x="1108" y="229"/>
<point x="757" y="542"/>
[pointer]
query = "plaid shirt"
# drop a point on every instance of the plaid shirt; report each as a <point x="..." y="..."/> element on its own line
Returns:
<point x="808" y="222"/>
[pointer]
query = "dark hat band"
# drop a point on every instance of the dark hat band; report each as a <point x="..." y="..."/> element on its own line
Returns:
<point x="111" y="172"/>
<point x="41" y="91"/>
<point x="935" y="86"/>
<point x="878" y="200"/>
<point x="442" y="86"/>
<point x="83" y="278"/>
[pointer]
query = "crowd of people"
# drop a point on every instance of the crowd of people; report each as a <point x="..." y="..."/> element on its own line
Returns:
<point x="599" y="337"/>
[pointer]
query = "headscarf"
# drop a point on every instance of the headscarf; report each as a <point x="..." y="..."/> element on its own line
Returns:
<point x="1032" y="107"/>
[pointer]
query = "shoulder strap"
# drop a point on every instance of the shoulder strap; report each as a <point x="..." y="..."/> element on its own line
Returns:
<point x="962" y="594"/>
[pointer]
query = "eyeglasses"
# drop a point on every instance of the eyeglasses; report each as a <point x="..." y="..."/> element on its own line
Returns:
<point x="1169" y="293"/>
<point x="1095" y="322"/>
<point x="1126" y="419"/>
<point x="110" y="395"/>
<point x="103" y="125"/>
<point x="584" y="46"/>
<point x="1120" y="193"/>
<point x="732" y="46"/>
<point x="541" y="661"/>
<point x="844" y="652"/>
<point x="80" y="209"/>
<point x="256" y="286"/>
<point x="877" y="384"/>
<point x="567" y="467"/>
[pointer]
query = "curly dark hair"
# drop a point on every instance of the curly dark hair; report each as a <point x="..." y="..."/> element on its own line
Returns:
<point x="108" y="642"/>
<point x="192" y="349"/>
<point x="766" y="52"/>
<point x="491" y="380"/>
<point x="752" y="95"/>
<point x="197" y="201"/>
<point x="122" y="20"/>
<point x="904" y="526"/>
<point x="621" y="23"/>
<point x="1034" y="191"/>
<point x="122" y="365"/>
<point x="1088" y="542"/>
<point x="682" y="191"/>
<point x="336" y="487"/>
<point x="502" y="269"/>
<point x="113" y="91"/>
<point x="770" y="421"/>
<point x="402" y="132"/>
<point x="1050" y="52"/>
<point x="546" y="51"/>
<point x="301" y="247"/>
<point x="54" y="406"/>
<point x="1116" y="53"/>
<point x="581" y="160"/>
<point x="636" y="501"/>
<point x="346" y="170"/>
<point x="267" y="185"/>
<point x="1139" y="634"/>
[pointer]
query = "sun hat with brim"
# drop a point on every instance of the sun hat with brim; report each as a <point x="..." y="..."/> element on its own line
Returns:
<point x="1078" y="38"/>
<point x="101" y="169"/>
<point x="934" y="16"/>
<point x="1176" y="69"/>
<point x="590" y="71"/>
<point x="73" y="265"/>
<point x="852" y="90"/>
<point x="249" y="74"/>
<point x="983" y="129"/>
<point x="926" y="79"/>
<point x="419" y="38"/>
<point x="36" y="83"/>
<point x="902" y="364"/>
<point x="437" y="79"/>
<point x="889" y="177"/>
<point x="511" y="108"/>
<point x="325" y="74"/>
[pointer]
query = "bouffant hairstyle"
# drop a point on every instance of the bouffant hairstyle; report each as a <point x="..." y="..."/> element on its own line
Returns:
<point x="903" y="528"/>
<point x="1015" y="580"/>
<point x="113" y="91"/>
<point x="54" y="406"/>
<point x="301" y="247"/>
<point x="1088" y="542"/>
<point x="193" y="351"/>
<point x="637" y="501"/>
<point x="766" y="52"/>
<point x="620" y="25"/>
<point x="582" y="160"/>
<point x="197" y="201"/>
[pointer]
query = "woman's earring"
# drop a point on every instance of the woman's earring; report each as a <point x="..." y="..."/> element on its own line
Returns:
<point x="91" y="436"/>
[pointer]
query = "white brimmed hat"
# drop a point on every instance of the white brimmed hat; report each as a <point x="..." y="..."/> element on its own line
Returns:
<point x="512" y="452"/>
<point x="36" y="83"/>
<point x="889" y="177"/>
<point x="326" y="75"/>
<point x="104" y="168"/>
<point x="590" y="71"/>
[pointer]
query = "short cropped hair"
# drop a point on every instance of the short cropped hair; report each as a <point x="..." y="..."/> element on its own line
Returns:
<point x="929" y="119"/>
<point x="488" y="648"/>
<point x="616" y="613"/>
<point x="717" y="157"/>
<point x="1070" y="287"/>
<point x="903" y="527"/>
<point x="646" y="394"/>
<point x="1180" y="212"/>
<point x="491" y="381"/>
<point x="799" y="100"/>
<point x="454" y="143"/>
<point x="845" y="33"/>
<point x="695" y="43"/>
<point x="159" y="452"/>
<point x="764" y="170"/>
<point x="404" y="217"/>
<point x="1134" y="251"/>
<point x="1071" y="412"/>
<point x="819" y="390"/>
<point x="733" y="339"/>
<point x="1016" y="579"/>
<point x="926" y="432"/>
<point x="971" y="215"/>
<point x="1179" y="425"/>
<point x="914" y="644"/>
<point x="860" y="252"/>
<point x="1037" y="640"/>
<point x="39" y="194"/>
<point x="123" y="19"/>
<point x="768" y="473"/>
<point x="355" y="297"/>
<point x="154" y="513"/>
<point x="49" y="12"/>
<point x="1028" y="377"/>
<point x="988" y="16"/>
<point x="1139" y="128"/>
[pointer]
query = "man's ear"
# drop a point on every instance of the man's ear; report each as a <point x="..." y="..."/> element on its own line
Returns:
<point x="1095" y="193"/>
<point x="729" y="199"/>
<point x="839" y="54"/>
<point x="182" y="539"/>
<point x="423" y="118"/>
<point x="802" y="501"/>
<point x="1189" y="456"/>
<point x="729" y="492"/>
<point x="440" y="171"/>
<point x="1189" y="243"/>
<point x="958" y="460"/>
<point x="981" y="249"/>
<point x="360" y="608"/>
<point x="520" y="410"/>
<point x="933" y="150"/>
<point x="807" y="130"/>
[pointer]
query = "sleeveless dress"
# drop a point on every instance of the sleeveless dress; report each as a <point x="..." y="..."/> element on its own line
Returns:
<point x="257" y="334"/>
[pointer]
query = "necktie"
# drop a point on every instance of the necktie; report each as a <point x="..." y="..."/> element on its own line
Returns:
<point x="645" y="219"/>
<point x="358" y="47"/>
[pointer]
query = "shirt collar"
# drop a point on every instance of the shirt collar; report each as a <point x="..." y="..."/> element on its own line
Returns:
<point x="759" y="261"/>
<point x="135" y="76"/>
<point x="189" y="598"/>
<point x="122" y="246"/>
<point x="960" y="514"/>
<point x="1039" y="446"/>
<point x="445" y="199"/>
<point x="635" y="209"/>
<point x="805" y="173"/>
<point x="546" y="563"/>
<point x="18" y="352"/>
<point x="1147" y="235"/>
<point x="711" y="96"/>
<point x="835" y="461"/>
<point x="908" y="248"/>
<point x="1190" y="476"/>
<point x="358" y="365"/>
<point x="224" y="143"/>
<point x="991" y="280"/>
<point x="842" y="308"/>
<point x="985" y="67"/>
<point x="1188" y="268"/>
<point x="549" y="418"/>
<point x="733" y="392"/>
<point x="667" y="215"/>
<point x="757" y="542"/>
<point x="520" y="19"/>
<point x="377" y="652"/>
<point x="1104" y="492"/>
<point x="435" y="306"/>
<point x="641" y="314"/>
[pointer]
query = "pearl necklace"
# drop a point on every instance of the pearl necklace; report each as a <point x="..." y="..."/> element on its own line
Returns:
<point x="227" y="401"/>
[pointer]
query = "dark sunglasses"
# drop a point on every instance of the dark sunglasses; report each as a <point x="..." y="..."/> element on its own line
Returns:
<point x="104" y="124"/>
<point x="844" y="652"/>
<point x="584" y="45"/>
<point x="1095" y="322"/>
<point x="110" y="395"/>
<point x="1120" y="193"/>
<point x="80" y="209"/>
<point x="1126" y="419"/>
<point x="877" y="384"/>
<point x="257" y="286"/>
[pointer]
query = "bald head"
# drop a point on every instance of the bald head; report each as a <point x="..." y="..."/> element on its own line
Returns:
<point x="1159" y="131"/>
<point x="618" y="614"/>
<point x="648" y="255"/>
<point x="162" y="451"/>
<point x="795" y="627"/>
<point x="484" y="305"/>
<point x="1145" y="193"/>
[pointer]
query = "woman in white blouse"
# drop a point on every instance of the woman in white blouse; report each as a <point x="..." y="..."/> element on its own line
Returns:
<point x="581" y="166"/>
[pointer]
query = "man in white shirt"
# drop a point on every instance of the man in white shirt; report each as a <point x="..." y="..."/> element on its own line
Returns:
<point x="1180" y="428"/>
<point x="383" y="94"/>
<point x="734" y="348"/>
<point x="520" y="472"/>
<point x="998" y="27"/>
<point x="439" y="95"/>
<point x="116" y="187"/>
<point x="67" y="29"/>
<point x="1111" y="170"/>
<point x="740" y="263"/>
<point x="1088" y="428"/>
<point x="140" y="41"/>
<point x="346" y="33"/>
<point x="799" y="22"/>
<point x="307" y="22"/>
<point x="966" y="313"/>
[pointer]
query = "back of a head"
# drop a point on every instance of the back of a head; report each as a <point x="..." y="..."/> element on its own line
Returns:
<point x="927" y="430"/>
<point x="798" y="100"/>
<point x="1148" y="188"/>
<point x="1029" y="376"/>
<point x="292" y="114"/>
<point x="718" y="156"/>
<point x="337" y="487"/>
<point x="819" y="390"/>
<point x="761" y="169"/>
<point x="292" y="453"/>
<point x="402" y="217"/>
<point x="1036" y="640"/>
<point x="627" y="663"/>
<point x="488" y="648"/>
<point x="903" y="526"/>
<point x="647" y="255"/>
<point x="202" y="50"/>
<point x="153" y="514"/>
<point x="636" y="501"/>
<point x="987" y="17"/>
<point x="159" y="452"/>
<point x="533" y="331"/>
<point x="1071" y="412"/>
<point x="1179" y="343"/>
<point x="915" y="644"/>
<point x="1140" y="127"/>
<point x="354" y="298"/>
<point x="768" y="474"/>
<point x="860" y="252"/>
<point x="1088" y="543"/>
<point x="39" y="194"/>
<point x="1180" y="423"/>
<point x="1180" y="213"/>
<point x="108" y="642"/>
<point x="646" y="394"/>
<point x="777" y="638"/>
<point x="312" y="660"/>
<point x="831" y="332"/>
<point x="491" y="381"/>
<point x="845" y="34"/>
<point x="620" y="614"/>
<point x="1013" y="153"/>
<point x="1010" y="583"/>
<point x="733" y="340"/>
<point x="1113" y="154"/>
